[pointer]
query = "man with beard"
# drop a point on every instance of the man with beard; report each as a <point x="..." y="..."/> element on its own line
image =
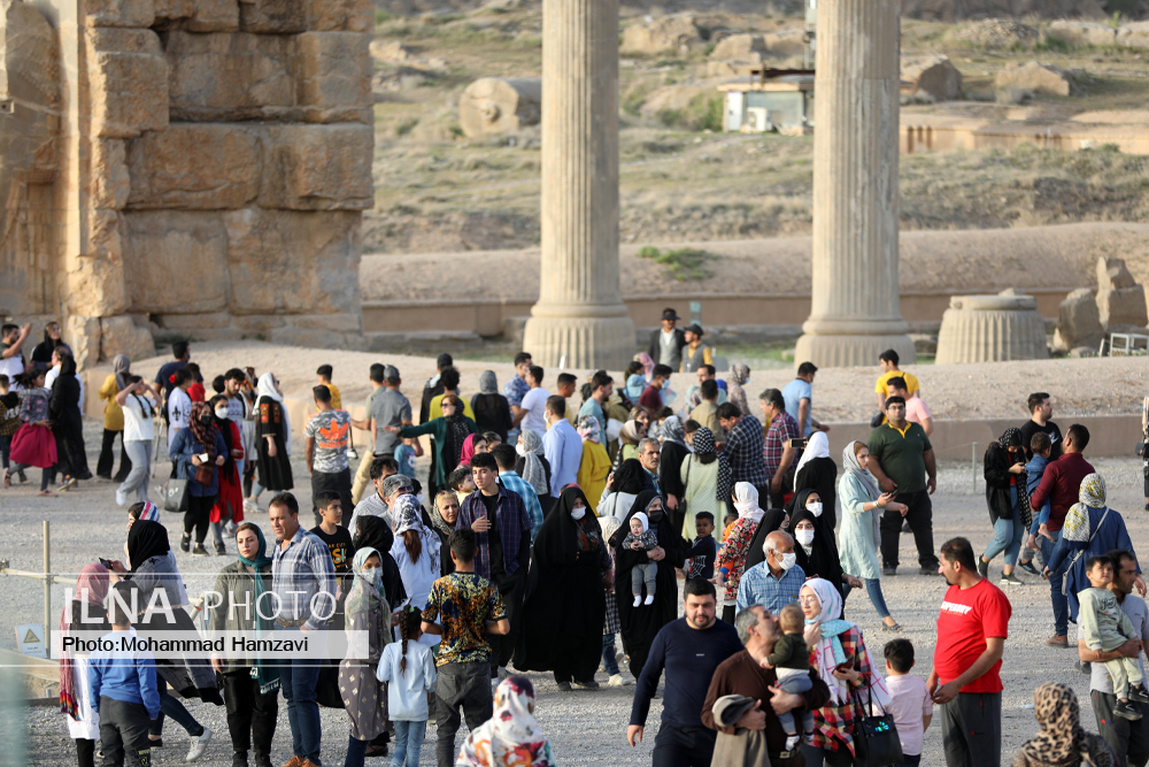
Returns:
<point x="690" y="649"/>
<point x="966" y="680"/>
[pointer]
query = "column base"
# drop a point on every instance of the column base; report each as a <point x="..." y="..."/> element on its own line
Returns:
<point x="582" y="343"/>
<point x="841" y="351"/>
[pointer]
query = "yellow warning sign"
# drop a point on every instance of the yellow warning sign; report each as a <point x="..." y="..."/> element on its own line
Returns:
<point x="30" y="640"/>
<point x="30" y="636"/>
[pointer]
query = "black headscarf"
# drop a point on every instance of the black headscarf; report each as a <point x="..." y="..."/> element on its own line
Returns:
<point x="823" y="561"/>
<point x="630" y="478"/>
<point x="375" y="533"/>
<point x="146" y="539"/>
<point x="558" y="541"/>
<point x="771" y="520"/>
<point x="224" y="427"/>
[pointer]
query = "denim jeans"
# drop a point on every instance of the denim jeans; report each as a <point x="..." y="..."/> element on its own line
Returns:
<point x="140" y="454"/>
<point x="172" y="707"/>
<point x="874" y="589"/>
<point x="1060" y="606"/>
<point x="1006" y="537"/>
<point x="408" y="742"/>
<point x="609" y="661"/>
<point x="298" y="680"/>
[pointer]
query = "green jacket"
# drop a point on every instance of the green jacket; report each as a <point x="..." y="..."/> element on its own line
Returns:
<point x="236" y="585"/>
<point x="437" y="428"/>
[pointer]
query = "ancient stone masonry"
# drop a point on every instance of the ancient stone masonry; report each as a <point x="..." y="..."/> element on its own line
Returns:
<point x="200" y="167"/>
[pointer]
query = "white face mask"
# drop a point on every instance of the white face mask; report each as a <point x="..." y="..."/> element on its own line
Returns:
<point x="804" y="537"/>
<point x="373" y="576"/>
<point x="578" y="513"/>
<point x="788" y="560"/>
<point x="815" y="508"/>
<point x="221" y="414"/>
<point x="522" y="451"/>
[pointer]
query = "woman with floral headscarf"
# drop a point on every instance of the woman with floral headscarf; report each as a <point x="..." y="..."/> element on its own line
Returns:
<point x="511" y="737"/>
<point x="739" y="374"/>
<point x="1008" y="503"/>
<point x="839" y="656"/>
<point x="363" y="695"/>
<point x="1061" y="742"/>
<point x="84" y="613"/>
<point x="705" y="478"/>
<point x="595" y="464"/>
<point x="1090" y="529"/>
<point x="199" y="437"/>
<point x="416" y="550"/>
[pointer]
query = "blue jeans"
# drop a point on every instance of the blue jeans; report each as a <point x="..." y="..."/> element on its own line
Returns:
<point x="298" y="680"/>
<point x="874" y="589"/>
<point x="1060" y="605"/>
<point x="609" y="661"/>
<point x="1006" y="537"/>
<point x="172" y="707"/>
<point x="408" y="742"/>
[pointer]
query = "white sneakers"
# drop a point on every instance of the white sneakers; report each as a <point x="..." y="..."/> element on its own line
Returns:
<point x="616" y="680"/>
<point x="121" y="497"/>
<point x="198" y="746"/>
<point x="250" y="506"/>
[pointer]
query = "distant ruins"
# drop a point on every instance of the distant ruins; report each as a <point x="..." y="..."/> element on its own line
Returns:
<point x="185" y="165"/>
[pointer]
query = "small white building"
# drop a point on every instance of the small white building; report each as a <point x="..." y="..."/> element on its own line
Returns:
<point x="782" y="102"/>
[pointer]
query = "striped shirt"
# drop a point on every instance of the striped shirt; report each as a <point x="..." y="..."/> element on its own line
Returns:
<point x="303" y="578"/>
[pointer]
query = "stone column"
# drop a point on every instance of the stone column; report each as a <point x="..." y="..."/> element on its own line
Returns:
<point x="580" y="314"/>
<point x="854" y="312"/>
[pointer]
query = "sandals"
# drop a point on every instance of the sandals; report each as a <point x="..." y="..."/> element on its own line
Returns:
<point x="7" y="479"/>
<point x="894" y="628"/>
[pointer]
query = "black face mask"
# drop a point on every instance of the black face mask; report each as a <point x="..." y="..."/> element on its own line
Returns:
<point x="655" y="515"/>
<point x="205" y="421"/>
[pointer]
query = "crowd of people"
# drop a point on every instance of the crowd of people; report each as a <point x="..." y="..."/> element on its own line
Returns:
<point x="547" y="528"/>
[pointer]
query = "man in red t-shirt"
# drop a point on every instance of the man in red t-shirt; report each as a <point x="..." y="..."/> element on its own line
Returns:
<point x="965" y="680"/>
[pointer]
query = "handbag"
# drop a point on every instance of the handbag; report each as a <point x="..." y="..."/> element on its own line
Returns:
<point x="205" y="474"/>
<point x="176" y="495"/>
<point x="876" y="741"/>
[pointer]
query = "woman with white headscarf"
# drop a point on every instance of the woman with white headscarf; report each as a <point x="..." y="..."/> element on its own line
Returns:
<point x="731" y="562"/>
<point x="416" y="550"/>
<point x="595" y="463"/>
<point x="533" y="466"/>
<point x="839" y="656"/>
<point x="273" y="439"/>
<point x="858" y="540"/>
<point x="816" y="470"/>
<point x="363" y="695"/>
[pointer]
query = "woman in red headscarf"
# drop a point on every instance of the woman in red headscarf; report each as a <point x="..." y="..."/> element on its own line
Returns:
<point x="84" y="613"/>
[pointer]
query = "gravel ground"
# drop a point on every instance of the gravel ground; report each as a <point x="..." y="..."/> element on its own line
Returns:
<point x="589" y="727"/>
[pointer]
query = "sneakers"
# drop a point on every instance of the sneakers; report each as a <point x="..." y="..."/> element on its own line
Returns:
<point x="637" y="600"/>
<point x="616" y="680"/>
<point x="889" y="571"/>
<point x="251" y="506"/>
<point x="239" y="759"/>
<point x="198" y="744"/>
<point x="982" y="567"/>
<point x="1126" y="710"/>
<point x="220" y="549"/>
<point x="1138" y="693"/>
<point x="1029" y="568"/>
<point x="121" y="497"/>
<point x="649" y="600"/>
<point x="589" y="684"/>
<point x="200" y="551"/>
<point x="352" y="453"/>
<point x="69" y="483"/>
<point x="564" y="686"/>
<point x="1011" y="579"/>
<point x="928" y="571"/>
<point x="185" y="543"/>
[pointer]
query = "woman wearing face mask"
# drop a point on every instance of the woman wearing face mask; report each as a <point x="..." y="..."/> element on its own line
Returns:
<point x="564" y="605"/>
<point x="817" y="471"/>
<point x="251" y="698"/>
<point x="198" y="451"/>
<point x="639" y="625"/>
<point x="444" y="514"/>
<point x="533" y="467"/>
<point x="375" y="533"/>
<point x="1008" y="501"/>
<point x="862" y="507"/>
<point x="416" y="550"/>
<point x="817" y="553"/>
<point x="272" y="440"/>
<point x="363" y="695"/>
<point x="228" y="508"/>
<point x="732" y="558"/>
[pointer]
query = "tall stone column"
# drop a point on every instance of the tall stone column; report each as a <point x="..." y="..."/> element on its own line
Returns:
<point x="580" y="314"/>
<point x="854" y="313"/>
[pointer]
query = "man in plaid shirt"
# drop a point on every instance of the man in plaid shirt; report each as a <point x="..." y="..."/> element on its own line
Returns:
<point x="505" y="457"/>
<point x="303" y="581"/>
<point x="516" y="389"/>
<point x="743" y="446"/>
<point x="778" y="455"/>
<point x="503" y="537"/>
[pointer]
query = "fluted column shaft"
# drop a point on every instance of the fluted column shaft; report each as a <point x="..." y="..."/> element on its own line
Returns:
<point x="580" y="315"/>
<point x="854" y="304"/>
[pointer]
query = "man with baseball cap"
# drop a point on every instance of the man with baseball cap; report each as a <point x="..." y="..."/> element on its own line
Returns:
<point x="696" y="354"/>
<point x="666" y="343"/>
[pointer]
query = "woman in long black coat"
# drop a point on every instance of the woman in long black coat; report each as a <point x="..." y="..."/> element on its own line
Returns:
<point x="640" y="624"/>
<point x="565" y="604"/>
<point x="67" y="421"/>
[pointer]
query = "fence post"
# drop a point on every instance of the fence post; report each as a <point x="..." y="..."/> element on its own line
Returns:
<point x="47" y="588"/>
<point x="973" y="466"/>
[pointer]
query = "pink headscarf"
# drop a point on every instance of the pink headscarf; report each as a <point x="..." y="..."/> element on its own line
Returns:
<point x="468" y="449"/>
<point x="91" y="586"/>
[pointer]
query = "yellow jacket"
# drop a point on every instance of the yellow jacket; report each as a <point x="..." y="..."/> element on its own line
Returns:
<point x="113" y="413"/>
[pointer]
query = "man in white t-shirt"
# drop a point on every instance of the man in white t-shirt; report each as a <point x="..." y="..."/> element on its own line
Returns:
<point x="179" y="405"/>
<point x="12" y="338"/>
<point x="54" y="373"/>
<point x="532" y="413"/>
<point x="916" y="410"/>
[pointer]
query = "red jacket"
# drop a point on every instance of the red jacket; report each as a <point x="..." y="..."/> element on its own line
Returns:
<point x="1061" y="484"/>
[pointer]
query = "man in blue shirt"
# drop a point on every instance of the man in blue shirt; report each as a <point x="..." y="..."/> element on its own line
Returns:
<point x="799" y="395"/>
<point x="561" y="444"/>
<point x="689" y="649"/>
<point x="776" y="582"/>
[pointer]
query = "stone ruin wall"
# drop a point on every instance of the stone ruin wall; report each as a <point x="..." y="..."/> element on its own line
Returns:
<point x="195" y="166"/>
